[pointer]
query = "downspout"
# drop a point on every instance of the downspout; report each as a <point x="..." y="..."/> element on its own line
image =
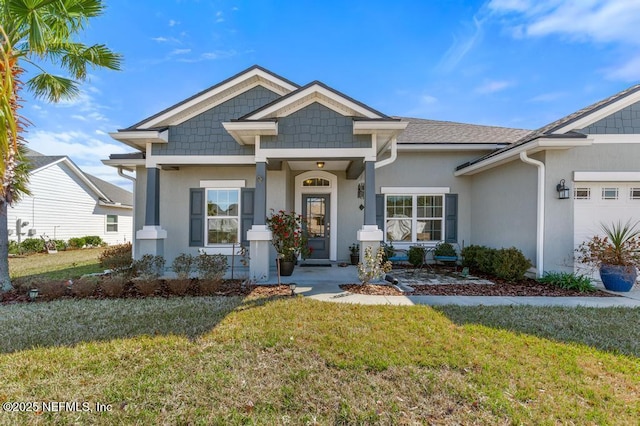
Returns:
<point x="540" y="212"/>
<point x="133" y="195"/>
<point x="392" y="157"/>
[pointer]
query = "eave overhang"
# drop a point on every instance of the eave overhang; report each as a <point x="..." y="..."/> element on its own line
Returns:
<point x="536" y="145"/>
<point x="127" y="164"/>
<point x="245" y="132"/>
<point x="140" y="138"/>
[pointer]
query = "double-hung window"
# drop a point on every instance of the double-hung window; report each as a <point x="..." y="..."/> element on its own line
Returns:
<point x="223" y="216"/>
<point x="414" y="217"/>
<point x="112" y="223"/>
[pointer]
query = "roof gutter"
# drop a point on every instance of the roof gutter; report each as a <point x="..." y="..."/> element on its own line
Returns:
<point x="392" y="157"/>
<point x="540" y="212"/>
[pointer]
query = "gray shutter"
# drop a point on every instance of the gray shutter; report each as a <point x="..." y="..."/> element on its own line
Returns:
<point x="246" y="213"/>
<point x="380" y="211"/>
<point x="451" y="218"/>
<point x="196" y="217"/>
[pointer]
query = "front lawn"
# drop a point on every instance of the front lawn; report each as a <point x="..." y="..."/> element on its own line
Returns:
<point x="296" y="361"/>
<point x="58" y="266"/>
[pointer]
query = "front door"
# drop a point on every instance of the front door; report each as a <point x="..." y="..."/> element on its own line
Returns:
<point x="315" y="211"/>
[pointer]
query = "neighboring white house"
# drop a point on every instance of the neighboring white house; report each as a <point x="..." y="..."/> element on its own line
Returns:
<point x="65" y="202"/>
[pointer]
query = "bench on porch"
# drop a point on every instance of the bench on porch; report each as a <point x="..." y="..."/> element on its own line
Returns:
<point x="395" y="255"/>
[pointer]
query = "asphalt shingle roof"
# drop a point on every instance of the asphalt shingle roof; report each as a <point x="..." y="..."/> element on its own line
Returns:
<point x="421" y="130"/>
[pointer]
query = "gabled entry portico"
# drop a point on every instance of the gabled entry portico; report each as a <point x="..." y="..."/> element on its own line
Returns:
<point x="310" y="125"/>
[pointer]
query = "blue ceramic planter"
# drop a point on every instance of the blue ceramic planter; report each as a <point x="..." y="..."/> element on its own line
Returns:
<point x="618" y="277"/>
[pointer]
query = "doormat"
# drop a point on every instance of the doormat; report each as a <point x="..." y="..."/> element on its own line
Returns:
<point x="316" y="264"/>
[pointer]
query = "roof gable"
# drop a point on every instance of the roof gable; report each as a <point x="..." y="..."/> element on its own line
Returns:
<point x="314" y="92"/>
<point x="215" y="95"/>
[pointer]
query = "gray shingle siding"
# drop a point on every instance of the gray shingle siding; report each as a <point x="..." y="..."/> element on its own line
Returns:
<point x="315" y="126"/>
<point x="625" y="121"/>
<point x="204" y="134"/>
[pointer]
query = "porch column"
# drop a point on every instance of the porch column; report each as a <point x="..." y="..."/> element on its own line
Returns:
<point x="259" y="235"/>
<point x="151" y="237"/>
<point x="369" y="235"/>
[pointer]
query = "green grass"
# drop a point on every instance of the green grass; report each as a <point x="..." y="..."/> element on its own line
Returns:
<point x="299" y="361"/>
<point x="62" y="265"/>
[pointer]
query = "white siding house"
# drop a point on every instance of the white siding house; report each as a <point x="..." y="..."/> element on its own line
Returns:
<point x="66" y="202"/>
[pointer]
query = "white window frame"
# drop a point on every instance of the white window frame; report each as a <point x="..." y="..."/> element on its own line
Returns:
<point x="113" y="223"/>
<point x="414" y="216"/>
<point x="582" y="188"/>
<point x="610" y="188"/>
<point x="633" y="196"/>
<point x="207" y="217"/>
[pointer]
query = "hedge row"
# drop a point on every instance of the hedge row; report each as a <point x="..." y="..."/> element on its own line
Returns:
<point x="37" y="245"/>
<point x="506" y="263"/>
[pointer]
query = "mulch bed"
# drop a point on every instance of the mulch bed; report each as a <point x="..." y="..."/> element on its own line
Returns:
<point x="224" y="288"/>
<point x="526" y="287"/>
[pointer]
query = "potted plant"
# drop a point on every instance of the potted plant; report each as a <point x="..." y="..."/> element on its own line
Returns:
<point x="445" y="252"/>
<point x="354" y="249"/>
<point x="616" y="255"/>
<point x="288" y="239"/>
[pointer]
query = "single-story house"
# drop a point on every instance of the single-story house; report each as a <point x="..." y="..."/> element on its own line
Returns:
<point x="210" y="168"/>
<point x="66" y="202"/>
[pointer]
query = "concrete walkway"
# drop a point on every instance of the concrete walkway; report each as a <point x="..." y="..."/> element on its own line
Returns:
<point x="322" y="283"/>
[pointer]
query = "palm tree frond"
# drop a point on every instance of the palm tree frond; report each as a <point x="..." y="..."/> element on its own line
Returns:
<point x="78" y="56"/>
<point x="52" y="87"/>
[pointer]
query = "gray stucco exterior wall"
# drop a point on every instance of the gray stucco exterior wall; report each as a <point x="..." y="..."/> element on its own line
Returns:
<point x="625" y="121"/>
<point x="315" y="126"/>
<point x="503" y="202"/>
<point x="204" y="134"/>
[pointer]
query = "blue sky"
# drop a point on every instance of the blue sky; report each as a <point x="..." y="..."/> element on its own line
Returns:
<point x="512" y="63"/>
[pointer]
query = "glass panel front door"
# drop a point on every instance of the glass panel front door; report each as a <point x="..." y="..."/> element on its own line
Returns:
<point x="315" y="209"/>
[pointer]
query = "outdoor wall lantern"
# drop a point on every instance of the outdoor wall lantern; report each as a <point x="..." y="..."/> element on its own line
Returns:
<point x="563" y="191"/>
<point x="320" y="164"/>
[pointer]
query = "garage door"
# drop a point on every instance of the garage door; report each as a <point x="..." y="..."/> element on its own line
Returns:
<point x="603" y="202"/>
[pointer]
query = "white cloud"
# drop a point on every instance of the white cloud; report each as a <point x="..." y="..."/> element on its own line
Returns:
<point x="627" y="71"/>
<point x="593" y="20"/>
<point x="428" y="99"/>
<point x="180" y="51"/>
<point x="461" y="46"/>
<point x="173" y="23"/>
<point x="493" y="86"/>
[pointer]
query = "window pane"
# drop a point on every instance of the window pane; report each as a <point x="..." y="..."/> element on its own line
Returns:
<point x="430" y="206"/>
<point x="634" y="193"/>
<point x="222" y="202"/>
<point x="429" y="230"/>
<point x="399" y="206"/>
<point x="609" y="193"/>
<point x="399" y="230"/>
<point x="582" y="193"/>
<point x="316" y="182"/>
<point x="222" y="231"/>
<point x="112" y="223"/>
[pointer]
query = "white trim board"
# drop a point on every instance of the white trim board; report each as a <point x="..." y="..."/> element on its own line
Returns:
<point x="606" y="176"/>
<point x="418" y="190"/>
<point x="223" y="184"/>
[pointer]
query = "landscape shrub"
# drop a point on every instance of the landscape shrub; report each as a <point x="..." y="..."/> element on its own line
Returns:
<point x="179" y="287"/>
<point x="32" y="245"/>
<point x="510" y="264"/>
<point x="183" y="265"/>
<point x="416" y="256"/>
<point x="149" y="267"/>
<point x="116" y="257"/>
<point x="77" y="242"/>
<point x="146" y="287"/>
<point x="568" y="281"/>
<point x="114" y="286"/>
<point x="51" y="290"/>
<point x="14" y="247"/>
<point x="479" y="258"/>
<point x="92" y="241"/>
<point x="445" y="249"/>
<point x="61" y="245"/>
<point x="85" y="286"/>
<point x="211" y="266"/>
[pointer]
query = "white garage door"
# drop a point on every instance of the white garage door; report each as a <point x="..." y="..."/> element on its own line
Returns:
<point x="603" y="202"/>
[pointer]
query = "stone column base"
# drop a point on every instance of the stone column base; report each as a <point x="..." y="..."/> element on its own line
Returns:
<point x="369" y="236"/>
<point x="150" y="240"/>
<point x="259" y="237"/>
